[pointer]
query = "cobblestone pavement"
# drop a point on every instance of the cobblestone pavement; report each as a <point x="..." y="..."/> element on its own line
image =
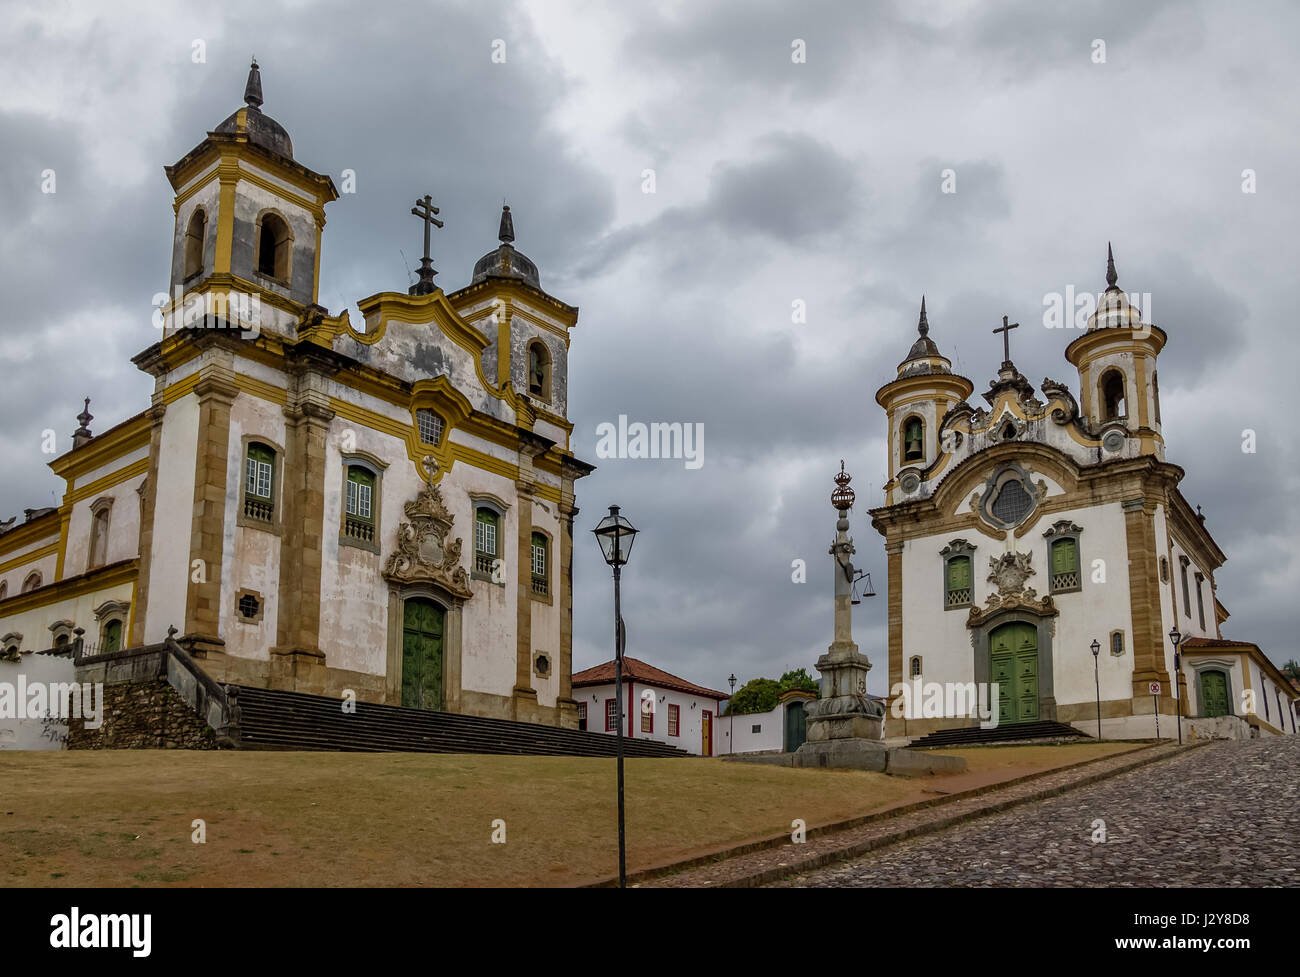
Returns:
<point x="1225" y="814"/>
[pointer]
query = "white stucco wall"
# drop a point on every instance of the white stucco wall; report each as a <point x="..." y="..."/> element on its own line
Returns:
<point x="691" y="712"/>
<point x="169" y="573"/>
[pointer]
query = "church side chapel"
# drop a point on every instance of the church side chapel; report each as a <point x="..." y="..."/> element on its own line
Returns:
<point x="317" y="504"/>
<point x="1021" y="532"/>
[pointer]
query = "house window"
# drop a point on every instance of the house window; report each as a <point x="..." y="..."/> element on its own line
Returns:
<point x="913" y="439"/>
<point x="32" y="582"/>
<point x="540" y="547"/>
<point x="1263" y="688"/>
<point x="1200" y="600"/>
<point x="359" y="509"/>
<point x="647" y="722"/>
<point x="611" y="716"/>
<point x="756" y="728"/>
<point x="914" y="667"/>
<point x="275" y="244"/>
<point x="99" y="533"/>
<point x="111" y="637"/>
<point x="957" y="584"/>
<point x="1112" y="396"/>
<point x="486" y="524"/>
<point x="582" y="715"/>
<point x="431" y="425"/>
<point x="1117" y="643"/>
<point x="194" y="235"/>
<point x="259" y="468"/>
<point x="674" y="720"/>
<point x="1187" y="599"/>
<point x="539" y="370"/>
<point x="1065" y="565"/>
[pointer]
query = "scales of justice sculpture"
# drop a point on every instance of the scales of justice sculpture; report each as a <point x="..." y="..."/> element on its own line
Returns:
<point x="846" y="728"/>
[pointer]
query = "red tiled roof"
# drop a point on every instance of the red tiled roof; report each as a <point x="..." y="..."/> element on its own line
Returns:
<point x="636" y="670"/>
<point x="1252" y="649"/>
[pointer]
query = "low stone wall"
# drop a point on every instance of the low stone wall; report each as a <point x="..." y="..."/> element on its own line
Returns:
<point x="143" y="716"/>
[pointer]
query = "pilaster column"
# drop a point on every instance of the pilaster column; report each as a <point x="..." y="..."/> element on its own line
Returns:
<point x="1144" y="597"/>
<point x="216" y="392"/>
<point x="302" y="546"/>
<point x="894" y="552"/>
<point x="565" y="701"/>
<point x="148" y="503"/>
<point x="524" y="693"/>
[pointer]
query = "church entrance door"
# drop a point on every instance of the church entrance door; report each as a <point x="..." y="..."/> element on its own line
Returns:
<point x="1214" y="694"/>
<point x="422" y="630"/>
<point x="1013" y="665"/>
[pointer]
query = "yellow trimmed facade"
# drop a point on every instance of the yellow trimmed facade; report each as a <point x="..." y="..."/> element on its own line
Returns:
<point x="312" y="505"/>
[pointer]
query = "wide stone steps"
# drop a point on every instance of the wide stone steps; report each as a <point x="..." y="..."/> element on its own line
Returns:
<point x="279" y="720"/>
<point x="1041" y="730"/>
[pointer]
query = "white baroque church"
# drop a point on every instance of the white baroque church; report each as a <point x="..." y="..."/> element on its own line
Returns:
<point x="312" y="503"/>
<point x="1021" y="531"/>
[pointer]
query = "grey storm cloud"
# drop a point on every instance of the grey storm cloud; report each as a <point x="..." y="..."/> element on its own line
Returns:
<point x="777" y="182"/>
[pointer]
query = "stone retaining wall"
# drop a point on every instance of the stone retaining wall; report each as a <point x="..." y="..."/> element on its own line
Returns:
<point x="143" y="715"/>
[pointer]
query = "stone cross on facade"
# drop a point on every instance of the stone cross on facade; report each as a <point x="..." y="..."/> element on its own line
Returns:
<point x="1006" y="338"/>
<point x="427" y="212"/>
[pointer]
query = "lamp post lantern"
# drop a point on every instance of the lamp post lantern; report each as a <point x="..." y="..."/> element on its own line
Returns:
<point x="616" y="535"/>
<point x="731" y="716"/>
<point x="1175" y="638"/>
<point x="1096" y="677"/>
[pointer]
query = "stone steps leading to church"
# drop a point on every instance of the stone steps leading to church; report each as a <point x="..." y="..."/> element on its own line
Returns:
<point x="271" y="719"/>
<point x="1018" y="732"/>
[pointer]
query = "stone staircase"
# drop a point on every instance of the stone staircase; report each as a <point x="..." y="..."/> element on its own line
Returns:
<point x="1017" y="732"/>
<point x="277" y="720"/>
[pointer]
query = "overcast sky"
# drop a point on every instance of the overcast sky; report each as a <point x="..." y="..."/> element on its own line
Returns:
<point x="775" y="181"/>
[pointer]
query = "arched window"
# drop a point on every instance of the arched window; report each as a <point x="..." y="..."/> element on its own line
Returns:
<point x="1155" y="394"/>
<point x="430" y="425"/>
<point x="541" y="562"/>
<point x="110" y="638"/>
<point x="32" y="582"/>
<point x="259" y="479"/>
<point x="1117" y="643"/>
<point x="914" y="667"/>
<point x="486" y="539"/>
<point x="359" y="517"/>
<point x="1113" y="406"/>
<point x="1008" y="431"/>
<point x="274" y="246"/>
<point x="194" y="236"/>
<point x="99" y="521"/>
<point x="4" y="589"/>
<point x="539" y="370"/>
<point x="913" y="439"/>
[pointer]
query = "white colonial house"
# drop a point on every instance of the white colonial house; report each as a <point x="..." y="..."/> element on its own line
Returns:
<point x="783" y="729"/>
<point x="656" y="706"/>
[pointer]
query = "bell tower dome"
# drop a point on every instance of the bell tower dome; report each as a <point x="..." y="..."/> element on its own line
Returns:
<point x="1116" y="359"/>
<point x="915" y="403"/>
<point x="248" y="225"/>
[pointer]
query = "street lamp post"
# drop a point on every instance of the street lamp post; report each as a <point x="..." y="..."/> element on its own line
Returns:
<point x="731" y="716"/>
<point x="616" y="535"/>
<point x="1176" y="638"/>
<point x="1096" y="677"/>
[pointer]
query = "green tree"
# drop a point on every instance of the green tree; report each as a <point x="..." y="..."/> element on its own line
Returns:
<point x="756" y="695"/>
<point x="798" y="678"/>
<point x="1292" y="669"/>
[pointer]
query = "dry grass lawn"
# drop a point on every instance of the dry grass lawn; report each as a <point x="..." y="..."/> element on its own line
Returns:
<point x="123" y="818"/>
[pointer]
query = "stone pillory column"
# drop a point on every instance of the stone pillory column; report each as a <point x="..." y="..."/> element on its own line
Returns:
<point x="845" y="728"/>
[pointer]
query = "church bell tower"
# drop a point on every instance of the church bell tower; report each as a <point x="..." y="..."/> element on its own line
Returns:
<point x="248" y="225"/>
<point x="1116" y="359"/>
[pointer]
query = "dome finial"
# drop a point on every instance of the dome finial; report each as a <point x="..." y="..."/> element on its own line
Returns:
<point x="507" y="232"/>
<point x="923" y="327"/>
<point x="1111" y="276"/>
<point x="253" y="90"/>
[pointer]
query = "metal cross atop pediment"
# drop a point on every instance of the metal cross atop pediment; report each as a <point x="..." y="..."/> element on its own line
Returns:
<point x="1006" y="338"/>
<point x="427" y="212"/>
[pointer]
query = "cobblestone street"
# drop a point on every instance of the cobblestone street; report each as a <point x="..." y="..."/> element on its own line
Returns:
<point x="1225" y="814"/>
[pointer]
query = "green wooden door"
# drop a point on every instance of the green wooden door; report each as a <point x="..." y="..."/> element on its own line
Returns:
<point x="1013" y="665"/>
<point x="422" y="654"/>
<point x="1214" y="694"/>
<point x="796" y="726"/>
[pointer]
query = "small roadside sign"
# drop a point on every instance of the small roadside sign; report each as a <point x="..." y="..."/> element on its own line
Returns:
<point x="1155" y="688"/>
